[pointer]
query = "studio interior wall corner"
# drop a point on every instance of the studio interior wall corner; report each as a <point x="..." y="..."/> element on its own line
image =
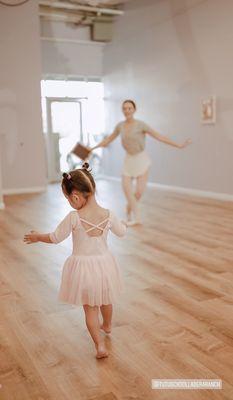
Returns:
<point x="23" y="161"/>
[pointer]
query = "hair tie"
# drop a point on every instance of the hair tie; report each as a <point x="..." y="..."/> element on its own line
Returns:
<point x="66" y="176"/>
<point x="85" y="166"/>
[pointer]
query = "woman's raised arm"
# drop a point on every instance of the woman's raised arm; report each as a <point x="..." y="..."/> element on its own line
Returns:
<point x="106" y="141"/>
<point x="164" y="139"/>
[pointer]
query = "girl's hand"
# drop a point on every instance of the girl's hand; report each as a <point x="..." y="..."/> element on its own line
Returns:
<point x="185" y="144"/>
<point x="31" y="237"/>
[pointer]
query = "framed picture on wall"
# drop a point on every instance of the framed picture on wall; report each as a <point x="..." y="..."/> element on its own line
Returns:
<point x="208" y="110"/>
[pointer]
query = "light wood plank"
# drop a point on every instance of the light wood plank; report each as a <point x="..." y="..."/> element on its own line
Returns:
<point x="174" y="319"/>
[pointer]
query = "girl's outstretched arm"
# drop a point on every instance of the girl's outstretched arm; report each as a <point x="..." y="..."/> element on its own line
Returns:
<point x="166" y="140"/>
<point x="117" y="226"/>
<point x="62" y="231"/>
<point x="34" y="237"/>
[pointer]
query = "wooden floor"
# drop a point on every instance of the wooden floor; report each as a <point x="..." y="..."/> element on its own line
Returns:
<point x="175" y="319"/>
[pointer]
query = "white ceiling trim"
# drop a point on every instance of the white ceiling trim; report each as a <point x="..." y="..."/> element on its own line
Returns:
<point x="79" y="7"/>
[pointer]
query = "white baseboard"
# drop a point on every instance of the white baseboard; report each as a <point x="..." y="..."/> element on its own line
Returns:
<point x="179" y="189"/>
<point x="34" y="189"/>
<point x="176" y="189"/>
<point x="193" y="192"/>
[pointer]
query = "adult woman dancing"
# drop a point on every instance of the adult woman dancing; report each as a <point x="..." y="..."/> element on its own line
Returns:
<point x="136" y="162"/>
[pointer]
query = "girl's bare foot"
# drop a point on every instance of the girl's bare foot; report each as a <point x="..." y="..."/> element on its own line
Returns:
<point x="101" y="351"/>
<point x="106" y="329"/>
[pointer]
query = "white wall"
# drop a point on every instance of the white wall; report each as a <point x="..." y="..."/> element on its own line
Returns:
<point x="21" y="140"/>
<point x="167" y="55"/>
<point x="68" y="50"/>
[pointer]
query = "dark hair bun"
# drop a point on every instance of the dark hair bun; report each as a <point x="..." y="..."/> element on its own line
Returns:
<point x="79" y="179"/>
<point x="86" y="166"/>
<point x="66" y="176"/>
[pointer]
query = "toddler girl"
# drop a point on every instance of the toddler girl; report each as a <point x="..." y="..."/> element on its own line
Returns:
<point x="91" y="276"/>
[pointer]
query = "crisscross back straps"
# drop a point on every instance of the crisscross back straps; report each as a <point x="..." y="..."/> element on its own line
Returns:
<point x="94" y="226"/>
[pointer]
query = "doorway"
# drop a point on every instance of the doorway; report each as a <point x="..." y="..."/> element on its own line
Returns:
<point x="64" y="117"/>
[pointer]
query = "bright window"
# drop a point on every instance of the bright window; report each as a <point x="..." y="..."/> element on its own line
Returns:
<point x="91" y="95"/>
<point x="75" y="110"/>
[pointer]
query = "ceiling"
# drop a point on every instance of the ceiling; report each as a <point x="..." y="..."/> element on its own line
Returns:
<point x="101" y="2"/>
<point x="94" y="3"/>
<point x="81" y="11"/>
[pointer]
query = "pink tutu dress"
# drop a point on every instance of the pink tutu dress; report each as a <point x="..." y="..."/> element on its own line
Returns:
<point x="91" y="274"/>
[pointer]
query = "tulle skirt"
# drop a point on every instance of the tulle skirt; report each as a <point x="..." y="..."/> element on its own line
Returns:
<point x="136" y="164"/>
<point x="93" y="280"/>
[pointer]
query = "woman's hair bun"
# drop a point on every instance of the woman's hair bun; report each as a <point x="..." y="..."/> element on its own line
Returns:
<point x="86" y="166"/>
